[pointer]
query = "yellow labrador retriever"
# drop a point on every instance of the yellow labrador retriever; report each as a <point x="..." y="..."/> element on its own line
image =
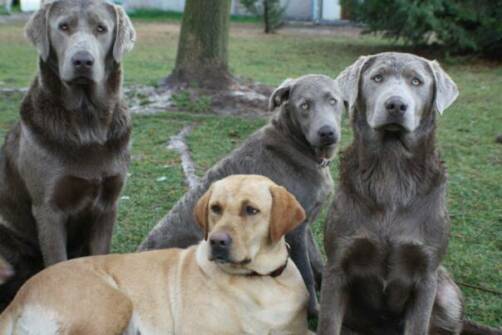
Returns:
<point x="239" y="280"/>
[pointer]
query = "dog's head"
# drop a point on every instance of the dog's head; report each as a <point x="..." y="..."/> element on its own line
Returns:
<point x="81" y="38"/>
<point x="314" y="105"/>
<point x="396" y="93"/>
<point x="5" y="271"/>
<point x="244" y="218"/>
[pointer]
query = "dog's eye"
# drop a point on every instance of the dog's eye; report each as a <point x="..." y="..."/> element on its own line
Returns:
<point x="101" y="29"/>
<point x="416" y="82"/>
<point x="378" y="78"/>
<point x="251" y="210"/>
<point x="64" y="26"/>
<point x="305" y="106"/>
<point x="332" y="101"/>
<point x="216" y="209"/>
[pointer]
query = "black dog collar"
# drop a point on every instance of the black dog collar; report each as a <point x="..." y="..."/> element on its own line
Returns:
<point x="276" y="273"/>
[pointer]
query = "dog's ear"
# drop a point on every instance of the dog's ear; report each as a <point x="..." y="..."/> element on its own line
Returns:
<point x="348" y="82"/>
<point x="280" y="94"/>
<point x="125" y="35"/>
<point x="446" y="91"/>
<point x="37" y="30"/>
<point x="287" y="213"/>
<point x="201" y="212"/>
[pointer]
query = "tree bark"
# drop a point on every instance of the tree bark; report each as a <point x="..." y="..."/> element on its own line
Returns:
<point x="266" y="17"/>
<point x="202" y="57"/>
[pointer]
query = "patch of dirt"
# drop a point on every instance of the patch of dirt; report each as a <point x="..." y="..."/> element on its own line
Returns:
<point x="246" y="29"/>
<point x="243" y="98"/>
<point x="344" y="29"/>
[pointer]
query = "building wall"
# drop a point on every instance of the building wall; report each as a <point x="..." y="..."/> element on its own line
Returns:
<point x="295" y="9"/>
<point x="299" y="9"/>
<point x="167" y="5"/>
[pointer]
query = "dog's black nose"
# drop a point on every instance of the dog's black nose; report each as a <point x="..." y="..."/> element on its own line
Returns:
<point x="327" y="135"/>
<point x="396" y="106"/>
<point x="220" y="246"/>
<point x="82" y="60"/>
<point x="220" y="240"/>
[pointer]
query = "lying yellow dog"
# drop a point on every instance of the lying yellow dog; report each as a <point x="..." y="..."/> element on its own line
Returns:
<point x="239" y="280"/>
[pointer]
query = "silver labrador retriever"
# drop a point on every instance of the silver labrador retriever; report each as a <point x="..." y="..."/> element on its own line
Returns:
<point x="387" y="230"/>
<point x="64" y="164"/>
<point x="292" y="150"/>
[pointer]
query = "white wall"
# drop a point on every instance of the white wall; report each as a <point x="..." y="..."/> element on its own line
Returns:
<point x="168" y="5"/>
<point x="295" y="10"/>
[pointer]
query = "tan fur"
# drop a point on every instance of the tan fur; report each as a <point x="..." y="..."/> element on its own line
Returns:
<point x="177" y="291"/>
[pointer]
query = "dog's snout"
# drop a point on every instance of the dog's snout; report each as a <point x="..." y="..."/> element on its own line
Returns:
<point x="327" y="134"/>
<point x="396" y="106"/>
<point x="83" y="60"/>
<point x="220" y="240"/>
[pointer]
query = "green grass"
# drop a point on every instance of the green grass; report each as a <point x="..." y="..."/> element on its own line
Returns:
<point x="466" y="136"/>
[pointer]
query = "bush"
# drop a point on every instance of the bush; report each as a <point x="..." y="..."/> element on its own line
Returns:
<point x="461" y="26"/>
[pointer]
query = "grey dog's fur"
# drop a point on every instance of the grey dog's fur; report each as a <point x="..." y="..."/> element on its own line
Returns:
<point x="387" y="230"/>
<point x="282" y="152"/>
<point x="63" y="165"/>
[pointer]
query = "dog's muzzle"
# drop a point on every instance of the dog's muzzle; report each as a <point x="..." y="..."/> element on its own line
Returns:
<point x="395" y="109"/>
<point x="220" y="243"/>
<point x="327" y="136"/>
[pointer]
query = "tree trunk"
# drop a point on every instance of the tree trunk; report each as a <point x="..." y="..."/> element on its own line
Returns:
<point x="266" y="17"/>
<point x="202" y="57"/>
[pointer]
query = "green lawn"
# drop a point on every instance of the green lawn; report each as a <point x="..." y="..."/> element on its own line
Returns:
<point x="467" y="137"/>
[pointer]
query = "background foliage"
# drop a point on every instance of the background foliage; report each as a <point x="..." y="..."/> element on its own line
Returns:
<point x="461" y="26"/>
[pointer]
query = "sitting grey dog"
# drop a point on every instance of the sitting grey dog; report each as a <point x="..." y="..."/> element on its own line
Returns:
<point x="64" y="164"/>
<point x="292" y="150"/>
<point x="387" y="230"/>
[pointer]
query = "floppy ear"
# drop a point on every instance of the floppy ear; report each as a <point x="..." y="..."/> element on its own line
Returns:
<point x="446" y="89"/>
<point x="348" y="82"/>
<point x="201" y="212"/>
<point x="280" y="94"/>
<point x="125" y="35"/>
<point x="287" y="213"/>
<point x="37" y="30"/>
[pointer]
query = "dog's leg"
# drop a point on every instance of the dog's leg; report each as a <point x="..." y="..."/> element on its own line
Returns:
<point x="447" y="315"/>
<point x="334" y="300"/>
<point x="419" y="313"/>
<point x="51" y="234"/>
<point x="297" y="239"/>
<point x="101" y="233"/>
<point x="316" y="260"/>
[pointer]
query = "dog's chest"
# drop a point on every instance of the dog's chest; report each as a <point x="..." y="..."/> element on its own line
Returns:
<point x="73" y="193"/>
<point x="93" y="179"/>
<point x="314" y="193"/>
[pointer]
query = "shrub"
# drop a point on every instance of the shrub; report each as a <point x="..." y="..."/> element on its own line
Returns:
<point x="461" y="26"/>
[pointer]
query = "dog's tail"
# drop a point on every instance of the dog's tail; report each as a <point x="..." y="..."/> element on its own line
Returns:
<point x="472" y="328"/>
